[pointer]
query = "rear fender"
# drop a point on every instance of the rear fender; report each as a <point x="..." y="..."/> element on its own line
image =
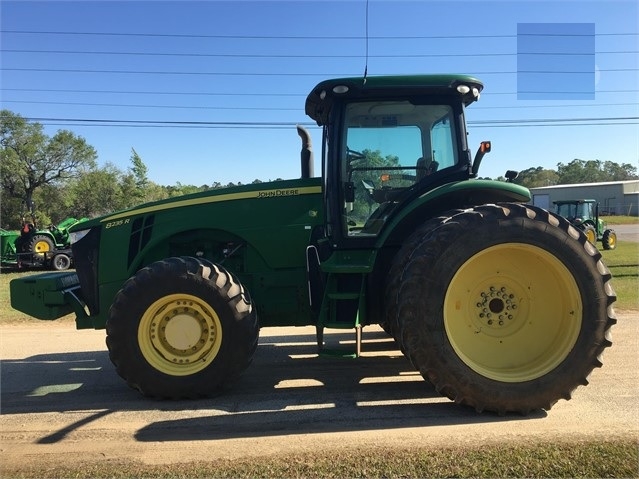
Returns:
<point x="463" y="194"/>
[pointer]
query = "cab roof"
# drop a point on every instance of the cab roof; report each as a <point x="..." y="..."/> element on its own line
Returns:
<point x="320" y="100"/>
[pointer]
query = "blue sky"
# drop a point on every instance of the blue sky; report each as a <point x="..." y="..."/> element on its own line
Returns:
<point x="244" y="69"/>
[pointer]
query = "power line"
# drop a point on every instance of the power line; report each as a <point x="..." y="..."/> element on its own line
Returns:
<point x="249" y="55"/>
<point x="271" y="74"/>
<point x="291" y="126"/>
<point x="554" y="105"/>
<point x="541" y="125"/>
<point x="172" y="123"/>
<point x="262" y="94"/>
<point x="306" y="55"/>
<point x="120" y="105"/>
<point x="200" y="73"/>
<point x="554" y="120"/>
<point x="600" y="121"/>
<point x="257" y="108"/>
<point x="142" y="92"/>
<point x="312" y="37"/>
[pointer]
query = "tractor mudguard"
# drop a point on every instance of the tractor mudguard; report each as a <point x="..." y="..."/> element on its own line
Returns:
<point x="462" y="194"/>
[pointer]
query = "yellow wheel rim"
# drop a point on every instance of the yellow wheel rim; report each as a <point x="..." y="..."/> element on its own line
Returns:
<point x="512" y="312"/>
<point x="591" y="235"/>
<point x="41" y="247"/>
<point x="179" y="334"/>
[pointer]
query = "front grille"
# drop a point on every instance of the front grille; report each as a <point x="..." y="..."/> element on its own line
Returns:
<point x="141" y="230"/>
<point x="86" y="256"/>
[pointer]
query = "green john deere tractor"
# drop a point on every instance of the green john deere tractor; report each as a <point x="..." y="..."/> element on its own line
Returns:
<point x="47" y="247"/>
<point x="584" y="214"/>
<point x="54" y="237"/>
<point x="498" y="303"/>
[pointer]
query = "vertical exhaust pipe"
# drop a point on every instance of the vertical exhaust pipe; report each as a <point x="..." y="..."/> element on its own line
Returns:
<point x="306" y="155"/>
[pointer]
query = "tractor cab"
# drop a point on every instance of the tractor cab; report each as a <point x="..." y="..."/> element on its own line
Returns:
<point x="576" y="211"/>
<point x="396" y="140"/>
<point x="584" y="215"/>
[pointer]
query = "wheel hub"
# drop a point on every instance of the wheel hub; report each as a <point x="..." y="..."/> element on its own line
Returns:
<point x="41" y="247"/>
<point x="497" y="307"/>
<point x="512" y="312"/>
<point x="179" y="334"/>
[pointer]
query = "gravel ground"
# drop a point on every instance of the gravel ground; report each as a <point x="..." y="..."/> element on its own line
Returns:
<point x="62" y="401"/>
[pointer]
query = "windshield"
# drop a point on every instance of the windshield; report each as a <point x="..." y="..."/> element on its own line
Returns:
<point x="389" y="147"/>
<point x="574" y="211"/>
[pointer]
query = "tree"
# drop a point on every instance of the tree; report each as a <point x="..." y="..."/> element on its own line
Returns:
<point x="155" y="192"/>
<point x="138" y="170"/>
<point x="54" y="204"/>
<point x="99" y="192"/>
<point x="31" y="160"/>
<point x="577" y="171"/>
<point x="617" y="172"/>
<point x="594" y="171"/>
<point x="536" y="177"/>
<point x="580" y="171"/>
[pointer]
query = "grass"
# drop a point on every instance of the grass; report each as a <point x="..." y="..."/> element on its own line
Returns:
<point x="623" y="263"/>
<point x="620" y="220"/>
<point x="8" y="315"/>
<point x="576" y="459"/>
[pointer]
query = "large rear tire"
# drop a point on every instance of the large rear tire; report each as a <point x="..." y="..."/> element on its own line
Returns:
<point x="395" y="280"/>
<point x="502" y="307"/>
<point x="40" y="245"/>
<point x="181" y="328"/>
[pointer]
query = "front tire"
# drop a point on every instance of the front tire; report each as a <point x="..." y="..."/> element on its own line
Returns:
<point x="502" y="307"/>
<point x="61" y="262"/>
<point x="609" y="240"/>
<point x="181" y="328"/>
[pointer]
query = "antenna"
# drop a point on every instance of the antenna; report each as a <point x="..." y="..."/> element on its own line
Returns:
<point x="366" y="63"/>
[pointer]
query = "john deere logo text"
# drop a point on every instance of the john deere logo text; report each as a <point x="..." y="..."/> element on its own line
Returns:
<point x="273" y="193"/>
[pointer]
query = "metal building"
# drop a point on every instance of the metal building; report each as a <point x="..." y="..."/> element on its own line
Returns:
<point x="614" y="197"/>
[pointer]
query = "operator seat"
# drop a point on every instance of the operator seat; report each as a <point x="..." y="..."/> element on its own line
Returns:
<point x="425" y="167"/>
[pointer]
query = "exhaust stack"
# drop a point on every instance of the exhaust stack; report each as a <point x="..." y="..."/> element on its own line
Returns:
<point x="306" y="155"/>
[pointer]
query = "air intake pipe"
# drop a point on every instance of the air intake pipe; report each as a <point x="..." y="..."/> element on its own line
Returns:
<point x="306" y="155"/>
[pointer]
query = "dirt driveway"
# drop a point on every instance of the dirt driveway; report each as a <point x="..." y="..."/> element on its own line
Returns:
<point x="62" y="400"/>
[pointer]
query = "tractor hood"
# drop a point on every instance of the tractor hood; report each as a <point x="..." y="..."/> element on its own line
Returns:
<point x="259" y="190"/>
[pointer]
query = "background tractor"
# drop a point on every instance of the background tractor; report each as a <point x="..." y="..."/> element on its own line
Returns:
<point x="497" y="303"/>
<point x="584" y="214"/>
<point x="42" y="241"/>
<point x="30" y="247"/>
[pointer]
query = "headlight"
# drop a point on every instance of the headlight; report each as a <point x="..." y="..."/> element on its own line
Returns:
<point x="76" y="236"/>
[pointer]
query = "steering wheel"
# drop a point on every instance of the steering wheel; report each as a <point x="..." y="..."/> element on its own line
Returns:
<point x="352" y="155"/>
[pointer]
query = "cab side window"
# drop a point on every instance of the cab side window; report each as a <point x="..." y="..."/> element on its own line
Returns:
<point x="388" y="148"/>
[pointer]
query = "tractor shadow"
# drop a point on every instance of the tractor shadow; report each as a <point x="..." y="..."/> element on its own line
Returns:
<point x="287" y="390"/>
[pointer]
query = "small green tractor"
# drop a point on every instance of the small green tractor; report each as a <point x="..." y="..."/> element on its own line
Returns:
<point x="502" y="306"/>
<point x="584" y="214"/>
<point x="31" y="247"/>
